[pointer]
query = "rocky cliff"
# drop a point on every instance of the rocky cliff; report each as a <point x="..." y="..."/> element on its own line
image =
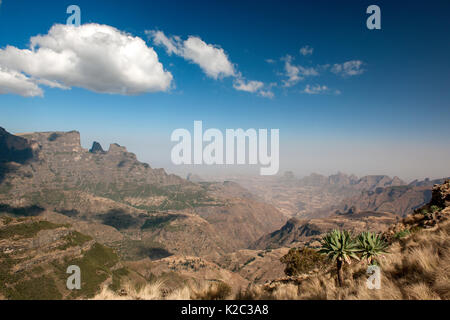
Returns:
<point x="141" y="211"/>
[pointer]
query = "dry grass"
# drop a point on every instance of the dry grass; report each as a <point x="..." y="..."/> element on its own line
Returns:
<point x="157" y="290"/>
<point x="417" y="267"/>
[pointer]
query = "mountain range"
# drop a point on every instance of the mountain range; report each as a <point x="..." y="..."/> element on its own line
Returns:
<point x="121" y="218"/>
<point x="120" y="201"/>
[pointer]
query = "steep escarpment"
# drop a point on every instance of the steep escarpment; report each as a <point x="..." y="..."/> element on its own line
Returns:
<point x="371" y="210"/>
<point x="414" y="265"/>
<point x="400" y="200"/>
<point x="315" y="195"/>
<point x="141" y="211"/>
<point x="62" y="164"/>
<point x="297" y="232"/>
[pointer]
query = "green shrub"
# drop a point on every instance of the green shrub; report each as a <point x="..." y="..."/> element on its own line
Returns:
<point x="402" y="234"/>
<point x="370" y="246"/>
<point x="302" y="260"/>
<point x="340" y="247"/>
<point x="435" y="208"/>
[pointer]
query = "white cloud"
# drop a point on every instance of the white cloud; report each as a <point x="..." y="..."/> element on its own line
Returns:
<point x="292" y="72"/>
<point x="296" y="73"/>
<point x="306" y="50"/>
<point x="96" y="57"/>
<point x="160" y="39"/>
<point x="349" y="68"/>
<point x="13" y="82"/>
<point x="315" y="89"/>
<point x="211" y="58"/>
<point x="250" y="86"/>
<point x="254" y="87"/>
<point x="308" y="72"/>
<point x="266" y="93"/>
<point x="271" y="61"/>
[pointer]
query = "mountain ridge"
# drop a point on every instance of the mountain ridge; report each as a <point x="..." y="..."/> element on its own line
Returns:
<point x="117" y="194"/>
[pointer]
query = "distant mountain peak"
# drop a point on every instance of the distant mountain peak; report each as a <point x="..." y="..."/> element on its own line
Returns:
<point x="96" y="148"/>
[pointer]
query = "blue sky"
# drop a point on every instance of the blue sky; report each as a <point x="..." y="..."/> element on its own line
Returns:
<point x="387" y="113"/>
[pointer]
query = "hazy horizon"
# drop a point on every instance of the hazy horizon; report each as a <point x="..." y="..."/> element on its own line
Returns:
<point x="345" y="98"/>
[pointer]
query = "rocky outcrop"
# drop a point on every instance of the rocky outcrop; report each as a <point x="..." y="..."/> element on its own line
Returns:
<point x="56" y="141"/>
<point x="61" y="163"/>
<point x="96" y="148"/>
<point x="425" y="217"/>
<point x="14" y="148"/>
<point x="441" y="195"/>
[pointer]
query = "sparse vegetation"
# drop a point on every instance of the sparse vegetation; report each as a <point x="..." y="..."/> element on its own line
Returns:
<point x="435" y="208"/>
<point x="157" y="290"/>
<point x="39" y="288"/>
<point x="415" y="269"/>
<point x="117" y="277"/>
<point x="302" y="260"/>
<point x="74" y="239"/>
<point x="96" y="264"/>
<point x="25" y="230"/>
<point x="402" y="234"/>
<point x="219" y="291"/>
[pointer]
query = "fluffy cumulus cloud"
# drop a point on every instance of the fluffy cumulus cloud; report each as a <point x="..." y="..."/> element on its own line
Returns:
<point x="211" y="58"/>
<point x="295" y="73"/>
<point x="306" y="51"/>
<point x="96" y="57"/>
<point x="349" y="68"/>
<point x="14" y="82"/>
